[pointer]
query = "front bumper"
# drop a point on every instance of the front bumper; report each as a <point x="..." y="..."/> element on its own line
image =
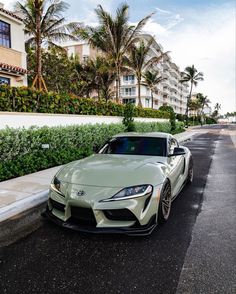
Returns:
<point x="132" y="231"/>
<point x="87" y="213"/>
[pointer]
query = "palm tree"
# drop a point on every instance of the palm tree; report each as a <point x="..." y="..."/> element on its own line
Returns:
<point x="44" y="25"/>
<point x="103" y="75"/>
<point x="151" y="79"/>
<point x="191" y="74"/>
<point x="86" y="75"/>
<point x="114" y="36"/>
<point x="217" y="106"/>
<point x="194" y="105"/>
<point x="98" y="75"/>
<point x="139" y="60"/>
<point x="216" y="111"/>
<point x="203" y="101"/>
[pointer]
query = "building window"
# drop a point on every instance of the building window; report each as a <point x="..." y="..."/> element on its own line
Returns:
<point x="128" y="91"/>
<point x="4" y="81"/>
<point x="132" y="101"/>
<point x="85" y="58"/>
<point x="147" y="103"/>
<point x="128" y="79"/>
<point x="5" y="34"/>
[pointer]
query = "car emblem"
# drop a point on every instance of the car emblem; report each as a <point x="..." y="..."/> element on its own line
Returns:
<point x="81" y="193"/>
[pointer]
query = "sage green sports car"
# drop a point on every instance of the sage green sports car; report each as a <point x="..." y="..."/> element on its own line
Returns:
<point x="127" y="187"/>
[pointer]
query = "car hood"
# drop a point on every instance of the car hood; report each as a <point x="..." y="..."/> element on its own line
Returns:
<point x="109" y="170"/>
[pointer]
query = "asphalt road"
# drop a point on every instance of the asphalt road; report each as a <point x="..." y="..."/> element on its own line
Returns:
<point x="55" y="260"/>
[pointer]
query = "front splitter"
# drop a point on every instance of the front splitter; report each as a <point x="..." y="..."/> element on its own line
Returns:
<point x="131" y="231"/>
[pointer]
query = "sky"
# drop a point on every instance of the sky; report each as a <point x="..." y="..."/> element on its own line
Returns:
<point x="196" y="32"/>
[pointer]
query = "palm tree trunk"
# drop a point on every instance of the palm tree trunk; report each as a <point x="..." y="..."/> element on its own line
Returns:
<point x="188" y="99"/>
<point x="139" y="92"/>
<point x="38" y="46"/>
<point x="117" y="83"/>
<point x="152" y="98"/>
<point x="98" y="89"/>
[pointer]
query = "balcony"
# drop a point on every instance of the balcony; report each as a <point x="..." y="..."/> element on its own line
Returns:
<point x="130" y="82"/>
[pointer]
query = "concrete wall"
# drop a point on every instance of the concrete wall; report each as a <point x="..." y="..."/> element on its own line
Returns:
<point x="16" y="120"/>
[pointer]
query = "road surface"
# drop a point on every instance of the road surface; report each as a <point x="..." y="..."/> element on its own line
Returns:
<point x="55" y="260"/>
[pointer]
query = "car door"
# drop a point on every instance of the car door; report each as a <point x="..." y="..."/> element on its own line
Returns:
<point x="176" y="164"/>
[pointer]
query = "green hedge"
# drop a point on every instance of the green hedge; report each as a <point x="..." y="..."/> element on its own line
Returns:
<point x="24" y="99"/>
<point x="21" y="150"/>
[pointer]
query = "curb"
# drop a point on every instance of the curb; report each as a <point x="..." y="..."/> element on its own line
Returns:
<point x="21" y="206"/>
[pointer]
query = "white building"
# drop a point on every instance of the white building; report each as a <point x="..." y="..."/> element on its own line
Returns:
<point x="169" y="92"/>
<point x="12" y="49"/>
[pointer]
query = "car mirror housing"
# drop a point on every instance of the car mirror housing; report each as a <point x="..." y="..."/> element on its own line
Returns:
<point x="177" y="151"/>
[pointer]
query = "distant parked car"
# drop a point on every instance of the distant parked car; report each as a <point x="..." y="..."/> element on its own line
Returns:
<point x="127" y="187"/>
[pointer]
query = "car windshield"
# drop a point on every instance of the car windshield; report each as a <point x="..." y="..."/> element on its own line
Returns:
<point x="136" y="146"/>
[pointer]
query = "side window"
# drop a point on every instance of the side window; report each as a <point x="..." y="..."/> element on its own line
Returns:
<point x="172" y="144"/>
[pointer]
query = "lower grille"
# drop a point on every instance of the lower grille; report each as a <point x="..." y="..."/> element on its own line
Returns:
<point x="83" y="216"/>
<point x="57" y="205"/>
<point x="119" y="215"/>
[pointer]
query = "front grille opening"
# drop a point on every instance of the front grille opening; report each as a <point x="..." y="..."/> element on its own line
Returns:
<point x="82" y="216"/>
<point x="146" y="202"/>
<point x="57" y="205"/>
<point x="119" y="215"/>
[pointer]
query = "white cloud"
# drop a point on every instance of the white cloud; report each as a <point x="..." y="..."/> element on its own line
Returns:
<point x="154" y="28"/>
<point x="173" y="21"/>
<point x="207" y="40"/>
<point x="162" y="11"/>
<point x="8" y="4"/>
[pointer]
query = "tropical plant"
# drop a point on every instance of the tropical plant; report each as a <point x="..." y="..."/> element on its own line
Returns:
<point x="95" y="77"/>
<point x="216" y="111"/>
<point x="104" y="76"/>
<point x="58" y="70"/>
<point x="191" y="74"/>
<point x="128" y="120"/>
<point x="151" y="79"/>
<point x="228" y="114"/>
<point x="203" y="102"/>
<point x="172" y="115"/>
<point x="139" y="60"/>
<point x="194" y="105"/>
<point x="114" y="36"/>
<point x="44" y="26"/>
<point x="217" y="106"/>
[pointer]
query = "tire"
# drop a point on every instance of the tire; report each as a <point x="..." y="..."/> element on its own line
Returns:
<point x="165" y="203"/>
<point x="190" y="172"/>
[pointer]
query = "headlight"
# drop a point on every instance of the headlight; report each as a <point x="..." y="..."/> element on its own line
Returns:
<point x="131" y="192"/>
<point x="56" y="186"/>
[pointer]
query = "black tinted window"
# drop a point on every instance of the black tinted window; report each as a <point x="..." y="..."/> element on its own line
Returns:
<point x="136" y="146"/>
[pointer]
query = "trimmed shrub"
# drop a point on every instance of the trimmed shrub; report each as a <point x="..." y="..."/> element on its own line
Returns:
<point x="24" y="99"/>
<point x="21" y="150"/>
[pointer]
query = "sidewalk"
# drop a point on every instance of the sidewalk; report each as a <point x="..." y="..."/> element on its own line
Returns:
<point x="20" y="194"/>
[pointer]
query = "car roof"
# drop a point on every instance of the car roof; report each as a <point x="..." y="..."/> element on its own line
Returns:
<point x="150" y="134"/>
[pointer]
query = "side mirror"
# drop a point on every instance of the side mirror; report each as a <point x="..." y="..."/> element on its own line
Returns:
<point x="177" y="151"/>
